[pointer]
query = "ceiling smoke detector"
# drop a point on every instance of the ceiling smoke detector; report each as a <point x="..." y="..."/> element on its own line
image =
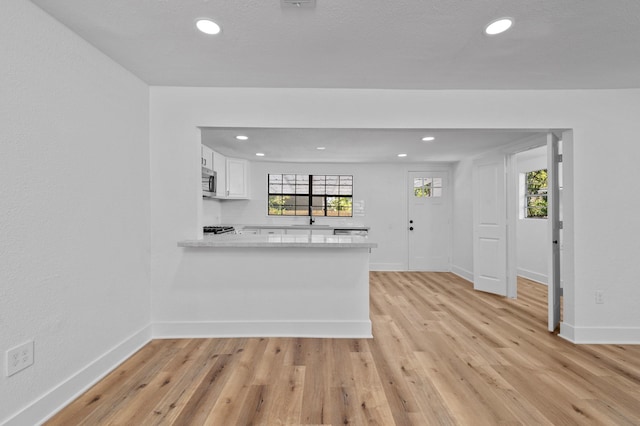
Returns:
<point x="302" y="4"/>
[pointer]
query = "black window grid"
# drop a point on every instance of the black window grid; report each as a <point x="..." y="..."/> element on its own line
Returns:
<point x="319" y="195"/>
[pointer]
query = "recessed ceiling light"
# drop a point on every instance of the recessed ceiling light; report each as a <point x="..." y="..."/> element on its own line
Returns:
<point x="498" y="26"/>
<point x="242" y="137"/>
<point x="402" y="155"/>
<point x="207" y="26"/>
<point x="321" y="148"/>
<point x="260" y="154"/>
<point x="428" y="138"/>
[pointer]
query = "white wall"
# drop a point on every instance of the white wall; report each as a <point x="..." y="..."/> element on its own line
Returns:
<point x="595" y="116"/>
<point x="382" y="188"/>
<point x="531" y="234"/>
<point x="74" y="196"/>
<point x="211" y="212"/>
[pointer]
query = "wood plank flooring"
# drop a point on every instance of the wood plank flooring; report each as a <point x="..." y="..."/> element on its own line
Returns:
<point x="442" y="354"/>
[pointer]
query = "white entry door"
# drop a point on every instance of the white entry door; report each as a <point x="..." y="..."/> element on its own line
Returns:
<point x="553" y="215"/>
<point x="429" y="221"/>
<point x="490" y="224"/>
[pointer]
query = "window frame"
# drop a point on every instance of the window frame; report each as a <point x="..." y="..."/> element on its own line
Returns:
<point x="311" y="196"/>
<point x="431" y="187"/>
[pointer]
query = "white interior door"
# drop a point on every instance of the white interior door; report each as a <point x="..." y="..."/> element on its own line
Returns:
<point x="429" y="221"/>
<point x="490" y="224"/>
<point x="553" y="215"/>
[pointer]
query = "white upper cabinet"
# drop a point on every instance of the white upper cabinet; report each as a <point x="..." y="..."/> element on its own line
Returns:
<point x="232" y="177"/>
<point x="237" y="178"/>
<point x="206" y="157"/>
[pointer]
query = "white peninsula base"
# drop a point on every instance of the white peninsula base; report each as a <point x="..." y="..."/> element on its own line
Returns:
<point x="289" y="290"/>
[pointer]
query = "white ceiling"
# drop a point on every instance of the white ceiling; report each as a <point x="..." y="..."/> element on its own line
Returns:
<point x="380" y="44"/>
<point x="356" y="145"/>
<point x="399" y="44"/>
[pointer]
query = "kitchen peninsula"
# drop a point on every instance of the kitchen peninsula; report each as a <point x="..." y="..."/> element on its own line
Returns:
<point x="279" y="285"/>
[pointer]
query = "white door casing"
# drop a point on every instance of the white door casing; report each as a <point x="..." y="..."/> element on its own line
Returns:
<point x="490" y="224"/>
<point x="429" y="221"/>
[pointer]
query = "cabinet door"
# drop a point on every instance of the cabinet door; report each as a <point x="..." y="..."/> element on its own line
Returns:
<point x="271" y="231"/>
<point x="206" y="157"/>
<point x="236" y="178"/>
<point x="322" y="232"/>
<point x="220" y="167"/>
<point x="290" y="231"/>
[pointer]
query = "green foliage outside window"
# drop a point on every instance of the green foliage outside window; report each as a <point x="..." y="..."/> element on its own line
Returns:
<point x="536" y="194"/>
<point x="285" y="205"/>
<point x="422" y="191"/>
<point x="339" y="206"/>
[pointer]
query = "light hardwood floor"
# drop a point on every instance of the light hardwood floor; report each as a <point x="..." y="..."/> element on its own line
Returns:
<point x="441" y="354"/>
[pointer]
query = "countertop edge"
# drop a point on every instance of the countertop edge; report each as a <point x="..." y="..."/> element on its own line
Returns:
<point x="305" y="227"/>
<point x="254" y="244"/>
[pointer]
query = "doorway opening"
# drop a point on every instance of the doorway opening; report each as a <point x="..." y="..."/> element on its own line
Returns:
<point x="536" y="249"/>
<point x="532" y="214"/>
<point x="532" y="247"/>
<point x="515" y="211"/>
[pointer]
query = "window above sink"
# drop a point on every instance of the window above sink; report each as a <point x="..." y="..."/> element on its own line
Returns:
<point x="310" y="195"/>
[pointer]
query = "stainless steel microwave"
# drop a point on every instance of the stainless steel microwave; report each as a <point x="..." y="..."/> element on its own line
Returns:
<point x="209" y="183"/>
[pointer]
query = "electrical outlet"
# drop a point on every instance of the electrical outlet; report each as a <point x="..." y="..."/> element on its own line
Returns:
<point x="599" y="297"/>
<point x="19" y="358"/>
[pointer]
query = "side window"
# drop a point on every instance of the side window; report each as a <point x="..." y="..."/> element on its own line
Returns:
<point x="535" y="194"/>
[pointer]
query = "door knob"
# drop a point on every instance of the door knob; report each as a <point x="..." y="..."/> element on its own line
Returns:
<point x="411" y="228"/>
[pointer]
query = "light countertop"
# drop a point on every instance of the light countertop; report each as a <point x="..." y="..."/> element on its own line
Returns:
<point x="273" y="241"/>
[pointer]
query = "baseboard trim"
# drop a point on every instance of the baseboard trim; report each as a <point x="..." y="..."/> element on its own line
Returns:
<point x="533" y="276"/>
<point x="462" y="273"/>
<point x="391" y="267"/>
<point x="600" y="335"/>
<point x="59" y="397"/>
<point x="228" y="329"/>
<point x="567" y="332"/>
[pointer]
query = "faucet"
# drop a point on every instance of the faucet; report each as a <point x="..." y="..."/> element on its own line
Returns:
<point x="311" y="220"/>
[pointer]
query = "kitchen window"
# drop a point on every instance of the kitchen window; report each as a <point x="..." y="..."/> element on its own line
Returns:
<point x="310" y="195"/>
